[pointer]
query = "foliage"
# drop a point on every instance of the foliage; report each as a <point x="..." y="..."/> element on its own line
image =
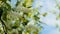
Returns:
<point x="22" y="19"/>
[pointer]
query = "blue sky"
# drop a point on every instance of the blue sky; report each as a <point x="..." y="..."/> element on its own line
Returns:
<point x="48" y="6"/>
<point x="13" y="2"/>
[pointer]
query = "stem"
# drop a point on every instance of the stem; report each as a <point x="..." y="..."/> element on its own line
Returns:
<point x="4" y="27"/>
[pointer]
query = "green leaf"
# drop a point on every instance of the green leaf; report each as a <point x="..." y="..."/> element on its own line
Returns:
<point x="17" y="3"/>
<point x="58" y="17"/>
<point x="9" y="0"/>
<point x="8" y="5"/>
<point x="28" y="3"/>
<point x="36" y="17"/>
<point x="3" y="0"/>
<point x="44" y="14"/>
<point x="25" y="22"/>
<point x="16" y="24"/>
<point x="58" y="6"/>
